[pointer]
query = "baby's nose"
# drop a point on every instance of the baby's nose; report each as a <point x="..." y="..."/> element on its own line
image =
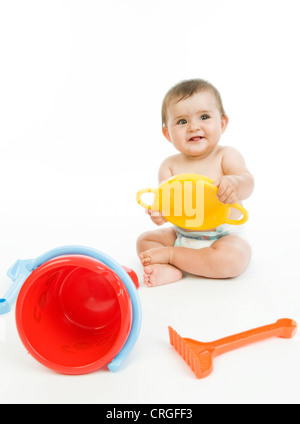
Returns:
<point x="195" y="125"/>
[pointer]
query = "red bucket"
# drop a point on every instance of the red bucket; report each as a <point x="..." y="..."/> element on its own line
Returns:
<point x="74" y="314"/>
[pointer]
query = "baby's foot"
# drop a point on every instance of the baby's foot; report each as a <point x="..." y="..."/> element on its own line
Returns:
<point x="160" y="274"/>
<point x="157" y="255"/>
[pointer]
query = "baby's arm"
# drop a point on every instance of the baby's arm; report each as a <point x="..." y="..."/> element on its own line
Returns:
<point x="165" y="170"/>
<point x="237" y="183"/>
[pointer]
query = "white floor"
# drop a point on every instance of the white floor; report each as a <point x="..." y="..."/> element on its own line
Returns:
<point x="206" y="310"/>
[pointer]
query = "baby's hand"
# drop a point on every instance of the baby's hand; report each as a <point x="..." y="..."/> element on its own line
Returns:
<point x="228" y="189"/>
<point x="156" y="217"/>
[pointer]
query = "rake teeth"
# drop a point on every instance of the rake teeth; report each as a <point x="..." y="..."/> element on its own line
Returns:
<point x="185" y="352"/>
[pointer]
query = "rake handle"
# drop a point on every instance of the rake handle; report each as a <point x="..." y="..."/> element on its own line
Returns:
<point x="284" y="328"/>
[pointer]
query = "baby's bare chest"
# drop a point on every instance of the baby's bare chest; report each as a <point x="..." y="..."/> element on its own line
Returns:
<point x="211" y="168"/>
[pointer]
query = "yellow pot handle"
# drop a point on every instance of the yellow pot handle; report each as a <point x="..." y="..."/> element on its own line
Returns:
<point x="238" y="221"/>
<point x="139" y="195"/>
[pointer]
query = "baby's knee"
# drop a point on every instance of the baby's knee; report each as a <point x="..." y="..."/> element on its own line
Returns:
<point x="236" y="264"/>
<point x="143" y="239"/>
<point x="146" y="236"/>
<point x="232" y="258"/>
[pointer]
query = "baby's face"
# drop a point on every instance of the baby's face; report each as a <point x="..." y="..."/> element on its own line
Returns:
<point x="195" y="125"/>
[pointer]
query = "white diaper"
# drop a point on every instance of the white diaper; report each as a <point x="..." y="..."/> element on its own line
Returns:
<point x="200" y="239"/>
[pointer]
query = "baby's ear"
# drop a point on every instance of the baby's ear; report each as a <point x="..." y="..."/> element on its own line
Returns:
<point x="166" y="133"/>
<point x="224" y="122"/>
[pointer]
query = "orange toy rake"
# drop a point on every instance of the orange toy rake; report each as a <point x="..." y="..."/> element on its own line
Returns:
<point x="199" y="356"/>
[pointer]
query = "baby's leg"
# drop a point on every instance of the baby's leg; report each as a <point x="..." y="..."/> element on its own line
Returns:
<point x="227" y="257"/>
<point x="165" y="237"/>
<point x="158" y="273"/>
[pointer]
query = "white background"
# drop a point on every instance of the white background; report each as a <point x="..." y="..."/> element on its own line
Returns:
<point x="81" y="90"/>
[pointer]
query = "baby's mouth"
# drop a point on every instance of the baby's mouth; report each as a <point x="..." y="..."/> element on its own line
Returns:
<point x="195" y="139"/>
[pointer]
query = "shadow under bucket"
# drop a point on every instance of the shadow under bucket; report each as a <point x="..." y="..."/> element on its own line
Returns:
<point x="75" y="314"/>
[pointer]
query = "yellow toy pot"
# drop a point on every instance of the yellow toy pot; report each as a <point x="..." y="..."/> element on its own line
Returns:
<point x="190" y="201"/>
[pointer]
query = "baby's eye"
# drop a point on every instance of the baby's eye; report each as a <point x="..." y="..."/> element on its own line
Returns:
<point x="182" y="121"/>
<point x="204" y="117"/>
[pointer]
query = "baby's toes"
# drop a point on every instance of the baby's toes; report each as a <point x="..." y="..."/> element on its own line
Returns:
<point x="147" y="280"/>
<point x="145" y="258"/>
<point x="148" y="275"/>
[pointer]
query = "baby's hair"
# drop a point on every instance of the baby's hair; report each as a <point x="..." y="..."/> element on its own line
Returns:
<point x="186" y="89"/>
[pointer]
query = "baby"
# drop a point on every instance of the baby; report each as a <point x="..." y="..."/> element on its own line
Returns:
<point x="193" y="120"/>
